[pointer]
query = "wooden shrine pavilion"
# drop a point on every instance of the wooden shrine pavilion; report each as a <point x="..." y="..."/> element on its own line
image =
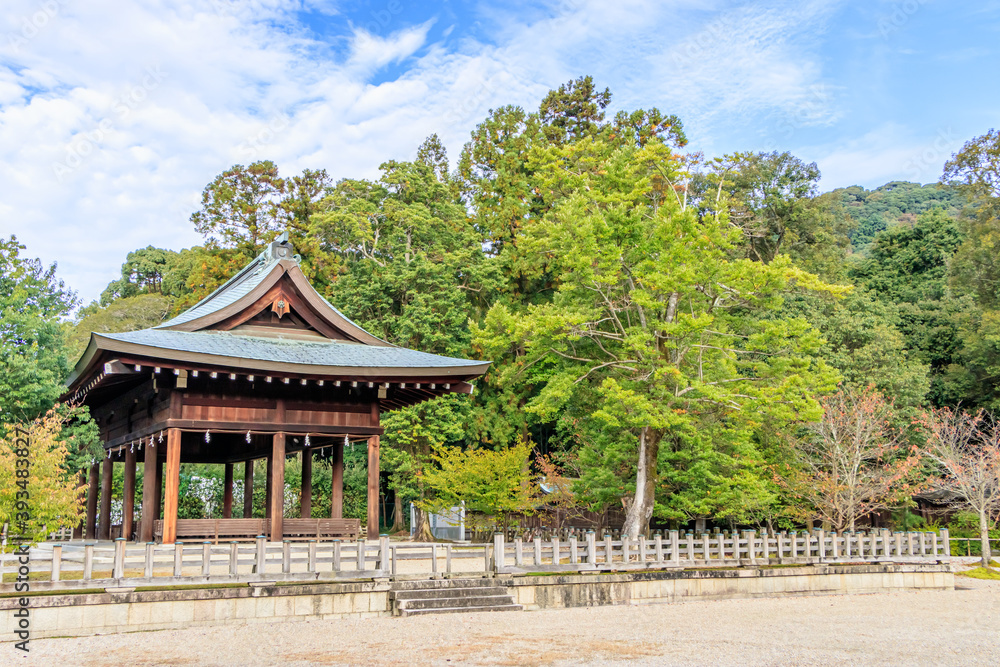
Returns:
<point x="263" y="368"/>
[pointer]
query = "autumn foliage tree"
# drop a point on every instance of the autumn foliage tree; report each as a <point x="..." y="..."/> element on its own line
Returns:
<point x="853" y="462"/>
<point x="43" y="494"/>
<point x="966" y="449"/>
<point x="496" y="483"/>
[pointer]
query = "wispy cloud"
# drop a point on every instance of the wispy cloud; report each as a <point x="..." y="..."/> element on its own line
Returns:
<point x="239" y="80"/>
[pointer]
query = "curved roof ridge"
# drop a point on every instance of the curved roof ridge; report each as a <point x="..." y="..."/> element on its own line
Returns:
<point x="242" y="279"/>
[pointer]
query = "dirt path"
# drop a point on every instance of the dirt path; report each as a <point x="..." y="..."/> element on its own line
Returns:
<point x="960" y="627"/>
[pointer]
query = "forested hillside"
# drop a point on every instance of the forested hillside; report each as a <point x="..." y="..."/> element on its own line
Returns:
<point x="664" y="328"/>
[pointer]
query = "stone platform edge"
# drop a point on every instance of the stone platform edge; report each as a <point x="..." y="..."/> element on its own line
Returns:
<point x="124" y="610"/>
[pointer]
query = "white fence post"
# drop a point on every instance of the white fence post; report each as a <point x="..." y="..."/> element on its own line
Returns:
<point x="88" y="562"/>
<point x="947" y="542"/>
<point x="56" y="561"/>
<point x="311" y="564"/>
<point x="361" y="555"/>
<point x="234" y="559"/>
<point x="591" y="548"/>
<point x="206" y="558"/>
<point x="336" y="556"/>
<point x="260" y="555"/>
<point x="118" y="569"/>
<point x="147" y="570"/>
<point x="499" y="552"/>
<point x="518" y="552"/>
<point x="537" y="544"/>
<point x="383" y="553"/>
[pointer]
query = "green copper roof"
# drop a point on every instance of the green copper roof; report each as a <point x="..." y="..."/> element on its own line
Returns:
<point x="305" y="353"/>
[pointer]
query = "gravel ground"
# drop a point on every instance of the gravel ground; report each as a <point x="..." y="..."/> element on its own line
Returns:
<point x="960" y="627"/>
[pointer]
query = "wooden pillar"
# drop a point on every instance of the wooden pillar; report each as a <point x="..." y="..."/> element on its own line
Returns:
<point x="158" y="486"/>
<point x="104" y="519"/>
<point x="306" y="498"/>
<point x="128" y="502"/>
<point x="267" y="486"/>
<point x="172" y="482"/>
<point x="277" y="478"/>
<point x="90" y="531"/>
<point x="248" y="489"/>
<point x="227" y="492"/>
<point x="150" y="506"/>
<point x="373" y="486"/>
<point x="337" y="483"/>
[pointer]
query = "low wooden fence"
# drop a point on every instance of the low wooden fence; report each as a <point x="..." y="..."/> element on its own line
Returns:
<point x="124" y="565"/>
<point x="718" y="550"/>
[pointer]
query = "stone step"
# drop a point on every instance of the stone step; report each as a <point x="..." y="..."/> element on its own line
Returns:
<point x="428" y="593"/>
<point x="441" y="584"/>
<point x="455" y="610"/>
<point x="448" y="603"/>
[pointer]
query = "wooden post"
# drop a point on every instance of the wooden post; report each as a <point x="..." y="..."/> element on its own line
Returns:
<point x="104" y="520"/>
<point x="268" y="474"/>
<point x="248" y="489"/>
<point x="337" y="481"/>
<point x="277" y="485"/>
<point x="149" y="508"/>
<point x="305" y="501"/>
<point x="90" y="532"/>
<point x="158" y="486"/>
<point x="173" y="480"/>
<point x="373" y="485"/>
<point x="227" y="492"/>
<point x="128" y="502"/>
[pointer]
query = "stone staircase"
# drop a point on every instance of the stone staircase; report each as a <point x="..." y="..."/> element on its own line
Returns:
<point x="444" y="596"/>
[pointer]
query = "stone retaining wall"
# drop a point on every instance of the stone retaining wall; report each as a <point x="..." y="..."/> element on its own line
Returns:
<point x="125" y="610"/>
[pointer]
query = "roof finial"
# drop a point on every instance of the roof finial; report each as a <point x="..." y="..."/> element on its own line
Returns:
<point x="281" y="248"/>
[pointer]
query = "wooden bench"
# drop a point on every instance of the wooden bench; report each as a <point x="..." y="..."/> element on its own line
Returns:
<point x="321" y="528"/>
<point x="215" y="528"/>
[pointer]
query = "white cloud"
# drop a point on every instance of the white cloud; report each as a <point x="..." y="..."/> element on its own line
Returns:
<point x="886" y="153"/>
<point x="113" y="116"/>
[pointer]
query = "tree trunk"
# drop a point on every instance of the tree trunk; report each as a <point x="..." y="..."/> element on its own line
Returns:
<point x="422" y="531"/>
<point x="984" y="538"/>
<point x="641" y="510"/>
<point x="398" y="524"/>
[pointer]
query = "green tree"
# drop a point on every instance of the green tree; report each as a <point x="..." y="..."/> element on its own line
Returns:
<point x="654" y="325"/>
<point x="142" y="273"/>
<point x="770" y="198"/>
<point x="414" y="274"/>
<point x="497" y="483"/>
<point x="242" y="208"/>
<point x="32" y="337"/>
<point x="124" y="314"/>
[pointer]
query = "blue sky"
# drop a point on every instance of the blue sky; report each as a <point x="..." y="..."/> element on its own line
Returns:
<point x="114" y="114"/>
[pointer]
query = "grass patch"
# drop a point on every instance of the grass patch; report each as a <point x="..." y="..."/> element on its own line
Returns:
<point x="982" y="573"/>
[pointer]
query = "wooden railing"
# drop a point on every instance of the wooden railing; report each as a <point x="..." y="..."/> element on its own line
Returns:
<point x="123" y="565"/>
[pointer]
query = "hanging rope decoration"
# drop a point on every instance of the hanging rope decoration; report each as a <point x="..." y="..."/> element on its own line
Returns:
<point x="132" y="447"/>
<point x="307" y="439"/>
<point x="248" y="437"/>
<point x="161" y="437"/>
<point x="208" y="436"/>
